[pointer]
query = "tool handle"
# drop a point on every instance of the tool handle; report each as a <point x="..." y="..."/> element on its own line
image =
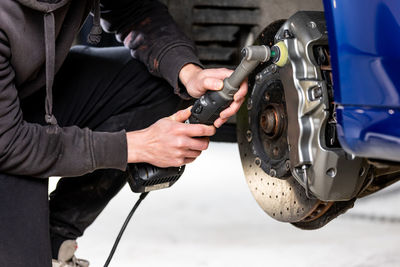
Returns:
<point x="207" y="108"/>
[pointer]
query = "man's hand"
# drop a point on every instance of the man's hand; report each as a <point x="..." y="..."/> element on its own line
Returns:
<point x="197" y="81"/>
<point x="169" y="142"/>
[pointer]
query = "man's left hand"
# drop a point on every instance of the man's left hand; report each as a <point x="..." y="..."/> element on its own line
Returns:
<point x="197" y="81"/>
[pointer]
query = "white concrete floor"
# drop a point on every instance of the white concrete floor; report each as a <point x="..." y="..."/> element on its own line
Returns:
<point x="209" y="218"/>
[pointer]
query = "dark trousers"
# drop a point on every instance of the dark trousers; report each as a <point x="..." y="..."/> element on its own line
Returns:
<point x="105" y="90"/>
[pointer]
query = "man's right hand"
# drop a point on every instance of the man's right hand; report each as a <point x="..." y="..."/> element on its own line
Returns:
<point x="169" y="142"/>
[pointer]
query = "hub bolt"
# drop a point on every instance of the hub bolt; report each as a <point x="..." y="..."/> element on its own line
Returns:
<point x="249" y="136"/>
<point x="287" y="165"/>
<point x="267" y="96"/>
<point x="276" y="151"/>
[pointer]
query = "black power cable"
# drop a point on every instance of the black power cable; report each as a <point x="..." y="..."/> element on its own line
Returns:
<point x="141" y="197"/>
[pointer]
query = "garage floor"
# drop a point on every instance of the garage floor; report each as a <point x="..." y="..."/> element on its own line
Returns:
<point x="209" y="218"/>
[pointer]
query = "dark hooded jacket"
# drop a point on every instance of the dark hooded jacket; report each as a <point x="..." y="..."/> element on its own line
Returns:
<point x="35" y="37"/>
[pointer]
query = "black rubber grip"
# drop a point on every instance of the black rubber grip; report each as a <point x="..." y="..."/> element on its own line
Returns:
<point x="145" y="177"/>
<point x="206" y="109"/>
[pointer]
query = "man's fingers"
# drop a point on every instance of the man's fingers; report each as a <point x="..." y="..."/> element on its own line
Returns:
<point x="239" y="98"/>
<point x="218" y="123"/>
<point x="197" y="130"/>
<point x="220" y="73"/>
<point x="199" y="144"/>
<point x="188" y="160"/>
<point x="242" y="91"/>
<point x="181" y="115"/>
<point x="191" y="156"/>
<point x="192" y="153"/>
<point x="231" y="110"/>
<point x="213" y="83"/>
<point x="214" y="78"/>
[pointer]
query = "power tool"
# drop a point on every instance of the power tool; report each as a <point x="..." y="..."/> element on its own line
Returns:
<point x="208" y="107"/>
<point x="146" y="177"/>
<point x="206" y="110"/>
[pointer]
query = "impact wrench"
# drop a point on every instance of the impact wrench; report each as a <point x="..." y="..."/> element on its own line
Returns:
<point x="205" y="110"/>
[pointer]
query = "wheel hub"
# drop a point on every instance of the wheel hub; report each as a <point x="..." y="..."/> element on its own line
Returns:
<point x="267" y="121"/>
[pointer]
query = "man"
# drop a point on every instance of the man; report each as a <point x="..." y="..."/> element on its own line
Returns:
<point x="86" y="113"/>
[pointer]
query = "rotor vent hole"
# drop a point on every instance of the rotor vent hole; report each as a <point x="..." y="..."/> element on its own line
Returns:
<point x="281" y="212"/>
<point x="287" y="209"/>
<point x="273" y="214"/>
<point x="295" y="202"/>
<point x="290" y="189"/>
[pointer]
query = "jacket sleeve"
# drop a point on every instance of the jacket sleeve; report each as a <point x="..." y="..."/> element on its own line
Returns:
<point x="43" y="151"/>
<point x="146" y="27"/>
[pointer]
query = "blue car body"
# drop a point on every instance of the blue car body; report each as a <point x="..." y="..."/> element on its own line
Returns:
<point x="364" y="41"/>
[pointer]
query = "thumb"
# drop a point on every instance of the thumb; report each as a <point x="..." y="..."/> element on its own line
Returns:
<point x="181" y="115"/>
<point x="213" y="83"/>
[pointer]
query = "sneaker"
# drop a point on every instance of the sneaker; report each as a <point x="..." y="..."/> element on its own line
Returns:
<point x="66" y="256"/>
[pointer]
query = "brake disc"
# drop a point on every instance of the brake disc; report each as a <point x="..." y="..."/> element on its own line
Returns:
<point x="262" y="131"/>
<point x="268" y="177"/>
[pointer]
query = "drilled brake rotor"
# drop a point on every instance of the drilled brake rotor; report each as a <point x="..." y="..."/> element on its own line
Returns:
<point x="262" y="139"/>
<point x="283" y="199"/>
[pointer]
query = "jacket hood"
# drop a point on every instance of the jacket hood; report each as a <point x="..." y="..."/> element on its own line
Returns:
<point x="45" y="6"/>
<point x="48" y="7"/>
